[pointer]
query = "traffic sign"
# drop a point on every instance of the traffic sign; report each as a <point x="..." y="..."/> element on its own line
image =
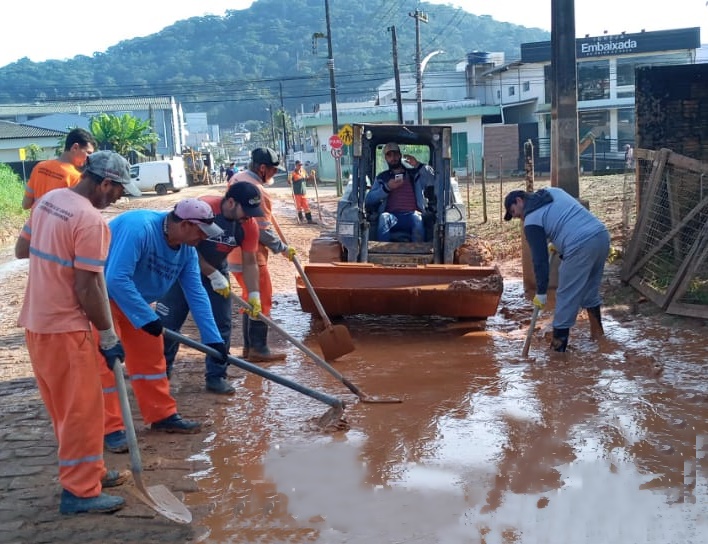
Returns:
<point x="346" y="134"/>
<point x="335" y="142"/>
<point x="337" y="152"/>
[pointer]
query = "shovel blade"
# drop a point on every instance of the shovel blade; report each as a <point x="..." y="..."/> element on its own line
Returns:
<point x="161" y="499"/>
<point x="335" y="341"/>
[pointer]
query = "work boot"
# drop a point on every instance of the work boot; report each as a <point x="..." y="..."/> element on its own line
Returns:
<point x="115" y="442"/>
<point x="560" y="339"/>
<point x="175" y="424"/>
<point x="258" y="351"/>
<point x="114" y="478"/>
<point x="245" y="328"/>
<point x="595" y="318"/>
<point x="300" y="217"/>
<point x="311" y="221"/>
<point x="103" y="503"/>
<point x="219" y="385"/>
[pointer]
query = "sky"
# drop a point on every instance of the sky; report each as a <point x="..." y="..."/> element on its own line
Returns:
<point x="35" y="35"/>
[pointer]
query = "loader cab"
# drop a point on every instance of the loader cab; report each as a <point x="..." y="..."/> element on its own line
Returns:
<point x="444" y="216"/>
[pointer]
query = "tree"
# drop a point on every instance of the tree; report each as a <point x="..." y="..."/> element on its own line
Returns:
<point x="34" y="152"/>
<point x="122" y="134"/>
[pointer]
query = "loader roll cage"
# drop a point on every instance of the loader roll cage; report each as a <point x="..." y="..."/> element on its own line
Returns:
<point x="444" y="217"/>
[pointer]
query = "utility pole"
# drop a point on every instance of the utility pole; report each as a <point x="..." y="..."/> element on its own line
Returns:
<point x="285" y="127"/>
<point x="564" y="98"/>
<point x="419" y="17"/>
<point x="396" y="74"/>
<point x="333" y="97"/>
<point x="272" y="127"/>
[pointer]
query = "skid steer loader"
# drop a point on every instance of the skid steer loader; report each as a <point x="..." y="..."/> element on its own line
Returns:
<point x="353" y="273"/>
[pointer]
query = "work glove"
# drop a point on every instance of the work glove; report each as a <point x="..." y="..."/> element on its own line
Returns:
<point x="110" y="347"/>
<point x="154" y="327"/>
<point x="220" y="283"/>
<point x="221" y="348"/>
<point x="290" y="253"/>
<point x="540" y="301"/>
<point x="254" y="299"/>
<point x="552" y="249"/>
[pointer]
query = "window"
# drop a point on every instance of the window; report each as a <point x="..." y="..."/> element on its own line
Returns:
<point x="594" y="80"/>
<point x="527" y="86"/>
<point x="512" y="90"/>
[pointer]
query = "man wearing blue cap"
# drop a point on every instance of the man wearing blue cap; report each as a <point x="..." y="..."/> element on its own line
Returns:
<point x="234" y="213"/>
<point x="555" y="220"/>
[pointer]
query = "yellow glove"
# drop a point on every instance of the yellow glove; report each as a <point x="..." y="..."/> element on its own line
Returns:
<point x="219" y="283"/>
<point x="552" y="249"/>
<point x="254" y="299"/>
<point x="290" y="253"/>
<point x="540" y="301"/>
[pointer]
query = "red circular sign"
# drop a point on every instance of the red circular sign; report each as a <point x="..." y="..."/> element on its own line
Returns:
<point x="335" y="142"/>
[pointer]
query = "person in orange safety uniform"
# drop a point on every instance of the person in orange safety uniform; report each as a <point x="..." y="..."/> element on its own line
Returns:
<point x="66" y="240"/>
<point x="62" y="172"/>
<point x="265" y="163"/>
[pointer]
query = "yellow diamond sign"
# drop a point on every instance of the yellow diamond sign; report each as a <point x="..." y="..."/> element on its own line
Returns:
<point x="346" y="134"/>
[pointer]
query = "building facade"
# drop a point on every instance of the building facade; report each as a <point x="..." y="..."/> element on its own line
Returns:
<point x="163" y="112"/>
<point x="485" y="95"/>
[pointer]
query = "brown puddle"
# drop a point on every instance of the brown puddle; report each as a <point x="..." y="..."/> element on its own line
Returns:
<point x="592" y="447"/>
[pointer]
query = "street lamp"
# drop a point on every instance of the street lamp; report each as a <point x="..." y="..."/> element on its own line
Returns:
<point x="419" y="87"/>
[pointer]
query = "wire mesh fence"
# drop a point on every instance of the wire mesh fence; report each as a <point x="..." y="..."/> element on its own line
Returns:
<point x="666" y="258"/>
<point x="612" y="198"/>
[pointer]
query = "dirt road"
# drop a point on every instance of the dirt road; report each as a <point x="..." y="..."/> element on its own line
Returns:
<point x="593" y="447"/>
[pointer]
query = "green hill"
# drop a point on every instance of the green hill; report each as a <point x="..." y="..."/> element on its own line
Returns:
<point x="234" y="66"/>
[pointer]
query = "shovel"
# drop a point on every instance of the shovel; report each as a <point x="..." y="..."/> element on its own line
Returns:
<point x="157" y="497"/>
<point x="335" y="340"/>
<point x="332" y="419"/>
<point x="363" y="397"/>
<point x="534" y="316"/>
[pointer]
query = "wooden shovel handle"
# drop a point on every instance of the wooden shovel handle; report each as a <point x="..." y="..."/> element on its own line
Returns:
<point x="305" y="279"/>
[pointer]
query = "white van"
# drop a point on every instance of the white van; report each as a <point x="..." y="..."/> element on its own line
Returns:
<point x="160" y="176"/>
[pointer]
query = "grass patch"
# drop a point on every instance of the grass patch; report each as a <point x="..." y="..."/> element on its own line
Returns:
<point x="11" y="212"/>
<point x="11" y="191"/>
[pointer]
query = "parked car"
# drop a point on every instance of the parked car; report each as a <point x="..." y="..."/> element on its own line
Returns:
<point x="160" y="176"/>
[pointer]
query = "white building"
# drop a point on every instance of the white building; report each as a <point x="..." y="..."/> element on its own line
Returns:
<point x="494" y="107"/>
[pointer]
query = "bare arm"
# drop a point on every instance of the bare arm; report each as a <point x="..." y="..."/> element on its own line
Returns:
<point x="204" y="266"/>
<point x="250" y="271"/>
<point x="22" y="248"/>
<point x="27" y="202"/>
<point x="90" y="290"/>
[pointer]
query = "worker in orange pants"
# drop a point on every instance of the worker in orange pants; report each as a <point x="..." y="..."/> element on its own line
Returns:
<point x="149" y="381"/>
<point x="264" y="164"/>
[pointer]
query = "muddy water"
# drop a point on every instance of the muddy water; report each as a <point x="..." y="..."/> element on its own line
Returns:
<point x="596" y="446"/>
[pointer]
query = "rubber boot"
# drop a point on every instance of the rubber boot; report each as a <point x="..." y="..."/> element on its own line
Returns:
<point x="258" y="351"/>
<point x="245" y="326"/>
<point x="300" y="217"/>
<point x="560" y="339"/>
<point x="595" y="318"/>
<point x="311" y="221"/>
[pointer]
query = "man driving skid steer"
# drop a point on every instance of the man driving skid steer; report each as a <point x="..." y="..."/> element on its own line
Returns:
<point x="397" y="197"/>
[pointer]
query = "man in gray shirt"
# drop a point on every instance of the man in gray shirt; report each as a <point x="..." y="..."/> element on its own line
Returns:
<point x="555" y="220"/>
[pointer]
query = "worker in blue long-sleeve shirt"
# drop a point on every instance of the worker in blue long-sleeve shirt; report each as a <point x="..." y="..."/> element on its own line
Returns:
<point x="149" y="252"/>
<point x="555" y="220"/>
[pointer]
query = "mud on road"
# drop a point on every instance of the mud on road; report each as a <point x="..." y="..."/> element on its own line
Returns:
<point x="596" y="446"/>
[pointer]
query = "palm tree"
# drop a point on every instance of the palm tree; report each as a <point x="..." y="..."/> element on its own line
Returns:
<point x="123" y="134"/>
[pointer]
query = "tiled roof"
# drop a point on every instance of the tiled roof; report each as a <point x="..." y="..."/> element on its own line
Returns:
<point x="88" y="106"/>
<point x="10" y="130"/>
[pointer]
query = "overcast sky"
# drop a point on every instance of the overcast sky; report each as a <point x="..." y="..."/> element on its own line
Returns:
<point x="33" y="30"/>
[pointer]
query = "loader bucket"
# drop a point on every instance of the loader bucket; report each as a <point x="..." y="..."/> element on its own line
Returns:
<point x="460" y="291"/>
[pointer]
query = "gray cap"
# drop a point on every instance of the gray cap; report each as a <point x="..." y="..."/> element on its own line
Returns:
<point x="110" y="165"/>
<point x="267" y="156"/>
